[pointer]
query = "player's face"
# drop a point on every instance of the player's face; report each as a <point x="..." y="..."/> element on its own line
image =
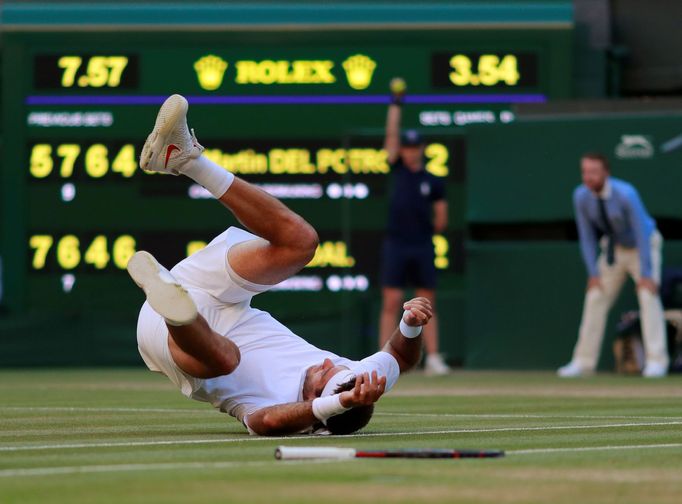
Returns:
<point x="316" y="377"/>
<point x="412" y="156"/>
<point x="593" y="173"/>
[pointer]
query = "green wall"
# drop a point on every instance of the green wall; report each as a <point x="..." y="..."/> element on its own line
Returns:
<point x="526" y="171"/>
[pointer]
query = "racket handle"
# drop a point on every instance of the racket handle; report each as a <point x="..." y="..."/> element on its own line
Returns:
<point x="321" y="452"/>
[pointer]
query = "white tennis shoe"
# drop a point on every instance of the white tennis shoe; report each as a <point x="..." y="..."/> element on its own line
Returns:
<point x="573" y="370"/>
<point x="170" y="144"/>
<point x="434" y="365"/>
<point x="654" y="370"/>
<point x="164" y="293"/>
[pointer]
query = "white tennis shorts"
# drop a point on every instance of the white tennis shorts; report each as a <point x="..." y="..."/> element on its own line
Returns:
<point x="222" y="298"/>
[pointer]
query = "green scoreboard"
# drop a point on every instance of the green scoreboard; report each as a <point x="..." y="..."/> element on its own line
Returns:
<point x="300" y="114"/>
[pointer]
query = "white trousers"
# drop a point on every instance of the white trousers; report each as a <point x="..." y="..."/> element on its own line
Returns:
<point x="598" y="302"/>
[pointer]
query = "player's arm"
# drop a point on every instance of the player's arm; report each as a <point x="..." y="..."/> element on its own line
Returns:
<point x="588" y="239"/>
<point x="405" y="348"/>
<point x="392" y="139"/>
<point x="292" y="418"/>
<point x="440" y="216"/>
<point x="637" y="214"/>
<point x="282" y="419"/>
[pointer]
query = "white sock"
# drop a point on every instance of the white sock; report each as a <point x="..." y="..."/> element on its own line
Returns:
<point x="216" y="179"/>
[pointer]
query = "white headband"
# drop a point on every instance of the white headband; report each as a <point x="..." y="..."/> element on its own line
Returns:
<point x="338" y="379"/>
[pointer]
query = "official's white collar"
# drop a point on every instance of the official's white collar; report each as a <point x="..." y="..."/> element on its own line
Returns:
<point x="605" y="192"/>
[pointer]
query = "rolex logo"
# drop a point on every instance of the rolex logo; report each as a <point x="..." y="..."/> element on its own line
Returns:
<point x="210" y="71"/>
<point x="359" y="69"/>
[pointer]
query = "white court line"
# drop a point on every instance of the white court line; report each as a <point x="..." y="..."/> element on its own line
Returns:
<point x="350" y="436"/>
<point x="532" y="451"/>
<point x="51" y="471"/>
<point x="510" y="415"/>
<point x="77" y="409"/>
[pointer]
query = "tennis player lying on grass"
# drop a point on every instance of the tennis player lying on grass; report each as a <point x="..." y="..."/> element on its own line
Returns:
<point x="198" y="328"/>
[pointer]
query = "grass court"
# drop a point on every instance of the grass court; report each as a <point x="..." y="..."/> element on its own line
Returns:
<point x="83" y="436"/>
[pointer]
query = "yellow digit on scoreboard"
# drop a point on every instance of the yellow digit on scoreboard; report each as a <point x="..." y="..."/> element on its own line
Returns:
<point x="123" y="250"/>
<point x="97" y="253"/>
<point x="487" y="69"/>
<point x="437" y="156"/>
<point x="124" y="162"/>
<point x="97" y="161"/>
<point x="116" y="66"/>
<point x="461" y="70"/>
<point x="68" y="252"/>
<point x="41" y="163"/>
<point x="70" y="64"/>
<point x="441" y="246"/>
<point x="42" y="245"/>
<point x="509" y="70"/>
<point x="69" y="153"/>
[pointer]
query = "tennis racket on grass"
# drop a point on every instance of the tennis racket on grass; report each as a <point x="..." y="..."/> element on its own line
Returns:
<point x="324" y="452"/>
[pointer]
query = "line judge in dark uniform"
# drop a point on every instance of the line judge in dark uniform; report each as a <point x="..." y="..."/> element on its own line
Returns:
<point x="417" y="210"/>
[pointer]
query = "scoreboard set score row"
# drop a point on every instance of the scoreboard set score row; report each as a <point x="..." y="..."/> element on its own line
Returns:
<point x="122" y="71"/>
<point x="85" y="252"/>
<point x="80" y="160"/>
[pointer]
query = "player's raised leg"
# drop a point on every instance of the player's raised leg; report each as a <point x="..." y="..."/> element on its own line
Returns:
<point x="194" y="346"/>
<point x="287" y="242"/>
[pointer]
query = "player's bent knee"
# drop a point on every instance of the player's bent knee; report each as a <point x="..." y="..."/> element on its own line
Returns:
<point x="228" y="363"/>
<point x="225" y="359"/>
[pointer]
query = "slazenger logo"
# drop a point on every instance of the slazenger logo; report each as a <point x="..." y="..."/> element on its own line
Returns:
<point x="634" y="147"/>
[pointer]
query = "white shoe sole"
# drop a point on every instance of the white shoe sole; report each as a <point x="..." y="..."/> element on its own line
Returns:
<point x="165" y="295"/>
<point x="436" y="372"/>
<point x="656" y="374"/>
<point x="174" y="108"/>
<point x="574" y="374"/>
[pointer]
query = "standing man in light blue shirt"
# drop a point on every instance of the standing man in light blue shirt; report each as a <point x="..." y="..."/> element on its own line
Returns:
<point x="611" y="216"/>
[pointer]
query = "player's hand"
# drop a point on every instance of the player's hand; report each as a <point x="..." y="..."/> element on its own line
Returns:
<point x="648" y="284"/>
<point x="419" y="312"/>
<point x="398" y="88"/>
<point x="594" y="282"/>
<point x="368" y="389"/>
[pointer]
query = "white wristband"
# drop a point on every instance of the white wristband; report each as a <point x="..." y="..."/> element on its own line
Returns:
<point x="327" y="406"/>
<point x="409" y="331"/>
